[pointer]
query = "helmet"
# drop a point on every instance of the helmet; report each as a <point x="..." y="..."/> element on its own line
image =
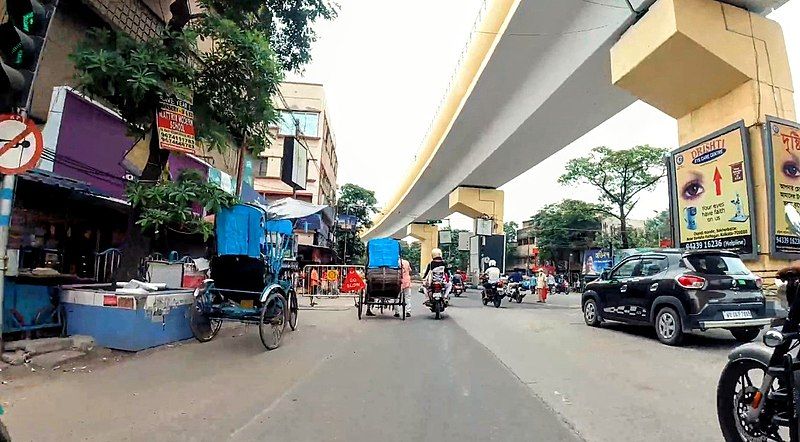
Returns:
<point x="436" y="253"/>
<point x="492" y="263"/>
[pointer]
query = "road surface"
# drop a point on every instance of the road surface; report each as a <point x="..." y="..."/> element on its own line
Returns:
<point x="524" y="372"/>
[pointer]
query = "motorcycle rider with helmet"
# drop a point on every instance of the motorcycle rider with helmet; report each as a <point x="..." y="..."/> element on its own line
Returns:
<point x="437" y="266"/>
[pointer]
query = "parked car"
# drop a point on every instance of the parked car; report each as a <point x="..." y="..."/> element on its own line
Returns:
<point x="677" y="292"/>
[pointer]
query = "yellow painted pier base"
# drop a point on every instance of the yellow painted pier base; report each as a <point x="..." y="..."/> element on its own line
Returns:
<point x="477" y="202"/>
<point x="428" y="237"/>
<point x="710" y="64"/>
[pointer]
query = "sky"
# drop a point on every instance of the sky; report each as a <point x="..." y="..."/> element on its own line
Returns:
<point x="386" y="65"/>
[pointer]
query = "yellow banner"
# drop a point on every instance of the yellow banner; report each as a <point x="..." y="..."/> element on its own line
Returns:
<point x="785" y="168"/>
<point x="711" y="192"/>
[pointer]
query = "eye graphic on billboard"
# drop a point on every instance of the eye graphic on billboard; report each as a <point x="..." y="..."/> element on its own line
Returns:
<point x="711" y="192"/>
<point x="782" y="149"/>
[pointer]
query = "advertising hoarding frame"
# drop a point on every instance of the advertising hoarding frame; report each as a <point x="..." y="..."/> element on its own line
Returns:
<point x="769" y="160"/>
<point x="673" y="189"/>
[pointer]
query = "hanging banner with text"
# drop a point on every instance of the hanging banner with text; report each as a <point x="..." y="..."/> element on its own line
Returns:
<point x="782" y="150"/>
<point x="175" y="124"/>
<point x="711" y="192"/>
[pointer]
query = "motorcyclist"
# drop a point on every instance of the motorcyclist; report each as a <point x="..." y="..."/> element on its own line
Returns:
<point x="436" y="262"/>
<point x="492" y="276"/>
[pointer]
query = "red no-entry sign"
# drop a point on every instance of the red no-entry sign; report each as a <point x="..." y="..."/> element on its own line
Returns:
<point x="21" y="144"/>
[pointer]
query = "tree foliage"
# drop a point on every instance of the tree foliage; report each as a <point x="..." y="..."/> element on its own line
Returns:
<point x="569" y="224"/>
<point x="510" y="228"/>
<point x="233" y="83"/>
<point x="411" y="253"/>
<point x="175" y="204"/>
<point x="456" y="259"/>
<point x="360" y="203"/>
<point x="655" y="229"/>
<point x="620" y="175"/>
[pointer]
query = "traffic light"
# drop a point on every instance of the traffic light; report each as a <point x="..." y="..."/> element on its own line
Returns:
<point x="21" y="40"/>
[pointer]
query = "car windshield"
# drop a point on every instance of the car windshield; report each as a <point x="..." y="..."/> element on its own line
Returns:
<point x="718" y="264"/>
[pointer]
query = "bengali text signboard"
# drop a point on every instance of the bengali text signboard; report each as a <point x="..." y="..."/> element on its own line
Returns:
<point x="175" y="124"/>
<point x="711" y="192"/>
<point x="782" y="149"/>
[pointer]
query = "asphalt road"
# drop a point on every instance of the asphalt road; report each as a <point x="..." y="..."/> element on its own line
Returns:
<point x="523" y="372"/>
<point x="334" y="379"/>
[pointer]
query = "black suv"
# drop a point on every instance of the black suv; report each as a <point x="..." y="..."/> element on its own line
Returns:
<point x="677" y="292"/>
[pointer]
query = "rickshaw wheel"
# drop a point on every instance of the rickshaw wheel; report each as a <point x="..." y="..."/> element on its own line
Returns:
<point x="293" y="311"/>
<point x="273" y="320"/>
<point x="203" y="328"/>
<point x="360" y="304"/>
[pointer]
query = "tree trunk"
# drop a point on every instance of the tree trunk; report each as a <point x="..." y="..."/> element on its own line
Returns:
<point x="137" y="244"/>
<point x="623" y="228"/>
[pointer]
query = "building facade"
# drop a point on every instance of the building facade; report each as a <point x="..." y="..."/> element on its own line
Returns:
<point x="303" y="115"/>
<point x="526" y="250"/>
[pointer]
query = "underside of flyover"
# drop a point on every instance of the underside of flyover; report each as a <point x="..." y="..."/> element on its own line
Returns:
<point x="545" y="81"/>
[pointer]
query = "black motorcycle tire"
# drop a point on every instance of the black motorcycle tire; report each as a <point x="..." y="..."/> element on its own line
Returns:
<point x="437" y="309"/>
<point x="485" y="300"/>
<point x="519" y="299"/>
<point x="726" y="405"/>
<point x="497" y="300"/>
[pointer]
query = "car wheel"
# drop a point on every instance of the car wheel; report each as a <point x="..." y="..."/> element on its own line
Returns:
<point x="745" y="334"/>
<point x="668" y="326"/>
<point x="591" y="314"/>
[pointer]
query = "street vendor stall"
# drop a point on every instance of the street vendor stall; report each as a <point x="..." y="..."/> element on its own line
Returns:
<point x="58" y="226"/>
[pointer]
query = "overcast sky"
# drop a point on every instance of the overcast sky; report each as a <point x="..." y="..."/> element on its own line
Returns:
<point x="386" y="64"/>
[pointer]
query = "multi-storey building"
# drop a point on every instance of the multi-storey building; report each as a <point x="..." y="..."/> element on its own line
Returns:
<point x="304" y="116"/>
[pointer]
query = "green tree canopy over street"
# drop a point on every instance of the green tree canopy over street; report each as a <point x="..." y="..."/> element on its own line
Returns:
<point x="620" y="175"/>
<point x="510" y="228"/>
<point x="233" y="83"/>
<point x="360" y="203"/>
<point x="569" y="224"/>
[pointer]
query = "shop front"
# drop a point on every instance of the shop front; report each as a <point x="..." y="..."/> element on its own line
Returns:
<point x="62" y="231"/>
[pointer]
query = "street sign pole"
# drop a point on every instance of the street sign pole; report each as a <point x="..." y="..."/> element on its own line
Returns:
<point x="6" y="201"/>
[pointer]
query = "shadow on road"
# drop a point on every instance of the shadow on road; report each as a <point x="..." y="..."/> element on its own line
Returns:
<point x="699" y="340"/>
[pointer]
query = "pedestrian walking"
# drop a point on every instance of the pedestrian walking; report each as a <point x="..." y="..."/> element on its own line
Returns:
<point x="405" y="287"/>
<point x="541" y="287"/>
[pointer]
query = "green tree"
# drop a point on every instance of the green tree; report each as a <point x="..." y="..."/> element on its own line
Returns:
<point x="411" y="253"/>
<point x="657" y="228"/>
<point x="620" y="175"/>
<point x="567" y="225"/>
<point x="510" y="228"/>
<point x="233" y="82"/>
<point x="361" y="204"/>
<point x="173" y="205"/>
<point x="456" y="259"/>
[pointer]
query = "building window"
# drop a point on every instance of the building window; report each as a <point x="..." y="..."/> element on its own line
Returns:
<point x="268" y="168"/>
<point x="306" y="122"/>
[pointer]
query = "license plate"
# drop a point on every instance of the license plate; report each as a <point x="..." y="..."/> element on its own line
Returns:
<point x="738" y="314"/>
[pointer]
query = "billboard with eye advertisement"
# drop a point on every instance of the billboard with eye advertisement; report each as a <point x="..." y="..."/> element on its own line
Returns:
<point x="782" y="150"/>
<point x="711" y="192"/>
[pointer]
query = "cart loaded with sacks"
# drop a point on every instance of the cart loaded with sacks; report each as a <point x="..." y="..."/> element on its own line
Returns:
<point x="384" y="277"/>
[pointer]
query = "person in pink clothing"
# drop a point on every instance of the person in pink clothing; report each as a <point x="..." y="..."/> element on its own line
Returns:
<point x="405" y="286"/>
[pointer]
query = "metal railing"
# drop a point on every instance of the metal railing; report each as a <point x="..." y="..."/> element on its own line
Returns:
<point x="325" y="282"/>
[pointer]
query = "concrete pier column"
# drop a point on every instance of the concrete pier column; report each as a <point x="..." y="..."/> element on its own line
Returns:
<point x="709" y="65"/>
<point x="428" y="237"/>
<point x="477" y="202"/>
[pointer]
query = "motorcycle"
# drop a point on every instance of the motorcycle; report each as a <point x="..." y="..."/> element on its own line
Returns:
<point x="458" y="288"/>
<point x="515" y="291"/>
<point x="758" y="394"/>
<point x="437" y="301"/>
<point x="562" y="287"/>
<point x="493" y="292"/>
